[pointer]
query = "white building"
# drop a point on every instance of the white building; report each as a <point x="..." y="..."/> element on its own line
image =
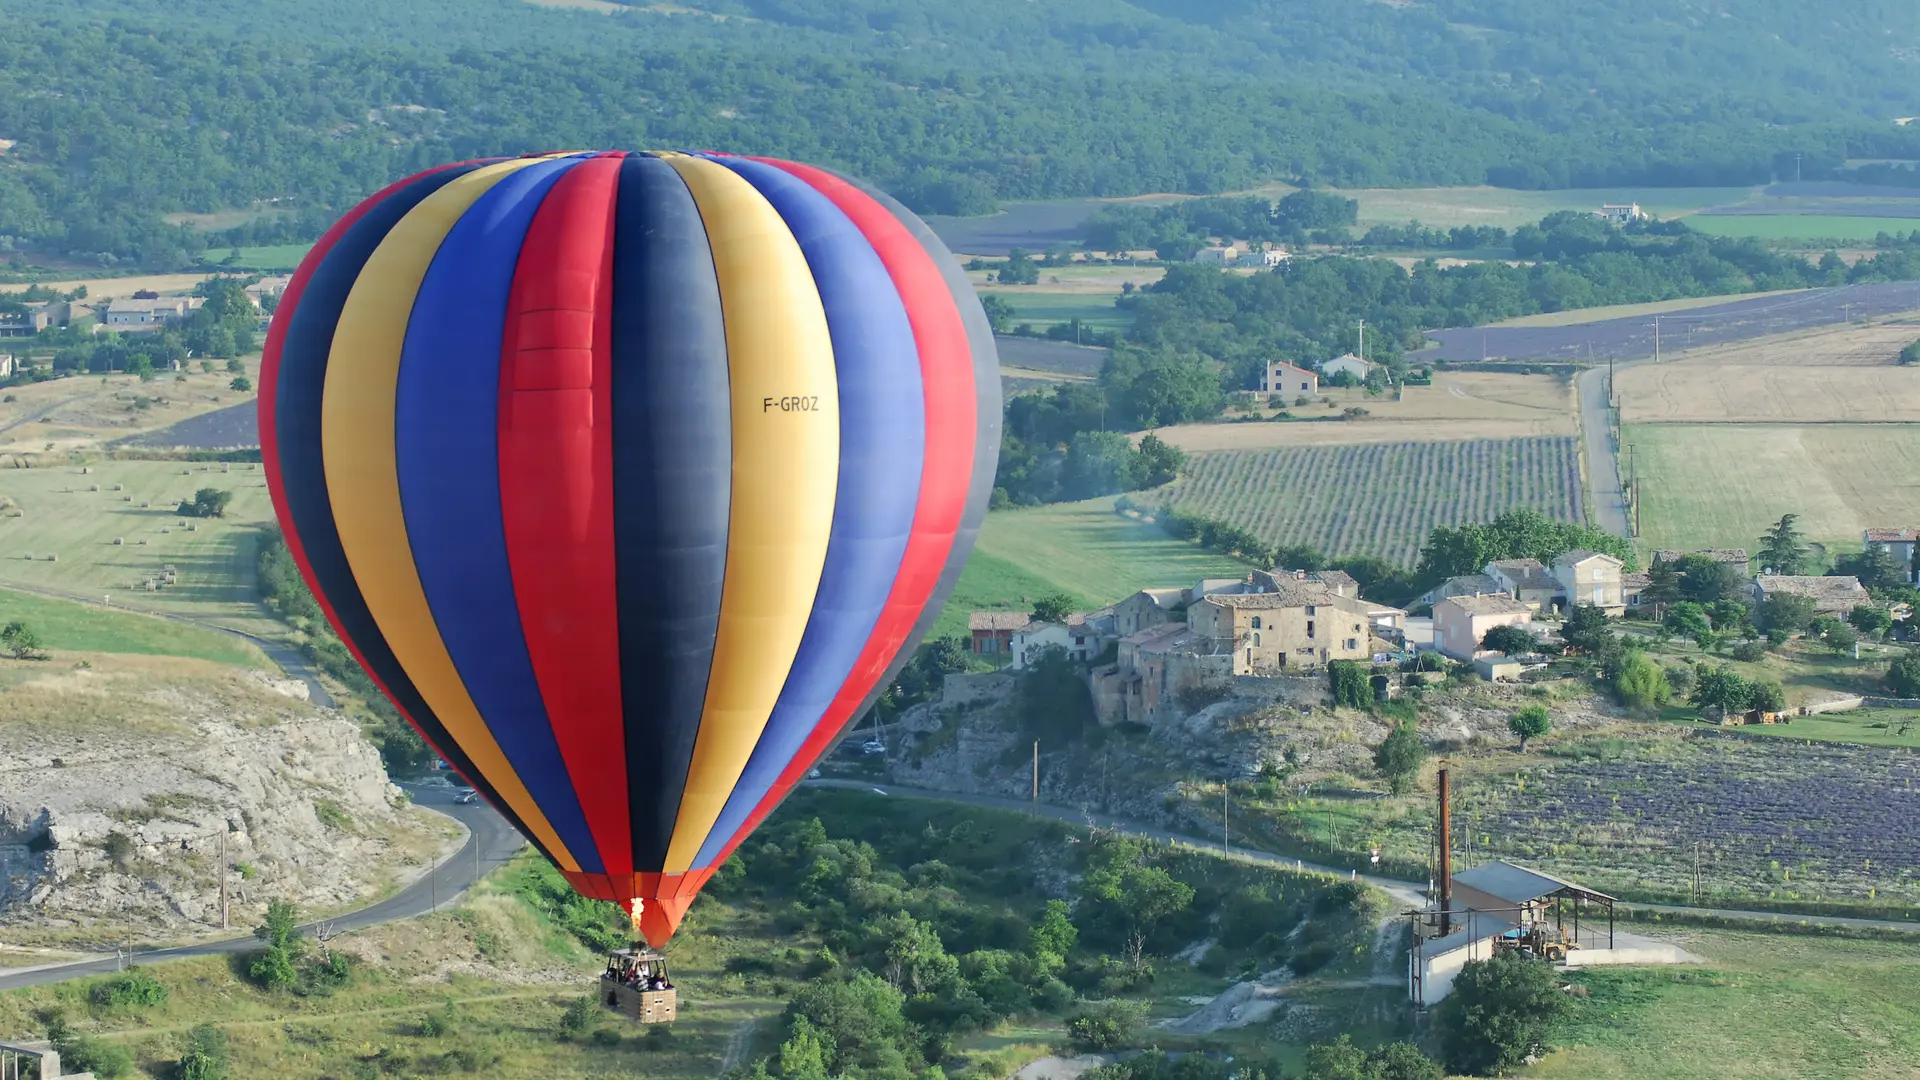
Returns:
<point x="1275" y="257"/>
<point x="150" y="313"/>
<point x="1621" y="213"/>
<point x="1217" y="255"/>
<point x="1284" y="378"/>
<point x="1349" y="363"/>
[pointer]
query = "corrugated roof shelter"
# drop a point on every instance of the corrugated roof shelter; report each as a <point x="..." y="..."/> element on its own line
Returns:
<point x="1520" y="885"/>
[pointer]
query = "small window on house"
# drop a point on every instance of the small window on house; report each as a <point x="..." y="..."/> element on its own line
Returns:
<point x="1353" y="643"/>
<point x="1256" y="622"/>
<point x="1309" y="628"/>
<point x="1310" y="611"/>
<point x="1256" y="641"/>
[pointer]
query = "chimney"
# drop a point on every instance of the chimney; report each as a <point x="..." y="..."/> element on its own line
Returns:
<point x="1446" y="855"/>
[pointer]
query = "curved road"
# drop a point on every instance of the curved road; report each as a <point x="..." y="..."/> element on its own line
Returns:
<point x="497" y="842"/>
<point x="490" y="842"/>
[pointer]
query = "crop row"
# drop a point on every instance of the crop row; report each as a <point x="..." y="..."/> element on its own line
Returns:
<point x="1378" y="499"/>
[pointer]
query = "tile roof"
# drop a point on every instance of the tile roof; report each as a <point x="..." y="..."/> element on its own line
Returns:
<point x="1152" y="634"/>
<point x="1470" y="583"/>
<point x="1292" y="367"/>
<point x="1163" y="598"/>
<point x="1496" y="604"/>
<point x="1731" y="556"/>
<point x="1906" y="535"/>
<point x="1526" y="573"/>
<point x="1638" y="580"/>
<point x="1817" y="588"/>
<point x="1580" y="555"/>
<point x="999" y="620"/>
<point x="1290" y="594"/>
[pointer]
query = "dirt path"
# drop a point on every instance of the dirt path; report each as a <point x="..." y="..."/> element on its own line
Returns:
<point x="737" y="1042"/>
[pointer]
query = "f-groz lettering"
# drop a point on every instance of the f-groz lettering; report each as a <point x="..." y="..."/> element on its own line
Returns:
<point x="792" y="403"/>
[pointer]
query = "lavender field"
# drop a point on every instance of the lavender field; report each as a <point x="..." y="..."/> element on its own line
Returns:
<point x="1379" y="499"/>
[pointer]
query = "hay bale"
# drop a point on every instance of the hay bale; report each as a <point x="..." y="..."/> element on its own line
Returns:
<point x="164" y="530"/>
<point x="143" y="541"/>
<point x="119" y="487"/>
<point x="193" y="528"/>
<point x="93" y="487"/>
<point x="84" y="470"/>
<point x="54" y="557"/>
<point x="117" y="541"/>
<point x="147" y="505"/>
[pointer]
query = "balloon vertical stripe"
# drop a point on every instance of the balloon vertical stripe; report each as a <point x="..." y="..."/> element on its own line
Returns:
<point x="556" y="490"/>
<point x="672" y="476"/>
<point x="785" y="464"/>
<point x="356" y="417"/>
<point x="446" y="449"/>
<point x="882" y="445"/>
<point x="296" y="364"/>
<point x="632" y="479"/>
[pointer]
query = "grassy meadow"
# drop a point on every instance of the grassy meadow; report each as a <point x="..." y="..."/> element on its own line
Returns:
<point x="61" y="515"/>
<point x="69" y="626"/>
<point x="1761" y="1005"/>
<point x="1090" y="552"/>
<point x="1447" y="207"/>
<point x="1720" y="485"/>
<point x="1800" y="226"/>
<point x="1043" y="309"/>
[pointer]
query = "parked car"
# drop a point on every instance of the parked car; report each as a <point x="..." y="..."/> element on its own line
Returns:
<point x="873" y="746"/>
<point x="465" y="796"/>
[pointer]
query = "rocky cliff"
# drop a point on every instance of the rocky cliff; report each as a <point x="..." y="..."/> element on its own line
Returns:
<point x="119" y="782"/>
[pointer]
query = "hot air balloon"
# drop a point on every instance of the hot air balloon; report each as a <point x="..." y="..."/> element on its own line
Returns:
<point x="632" y="479"/>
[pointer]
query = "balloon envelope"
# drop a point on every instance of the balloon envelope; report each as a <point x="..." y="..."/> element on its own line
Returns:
<point x="631" y="479"/>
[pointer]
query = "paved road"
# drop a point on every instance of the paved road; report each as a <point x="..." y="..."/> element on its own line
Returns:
<point x="490" y="842"/>
<point x="1405" y="891"/>
<point x="1607" y="505"/>
<point x="290" y="659"/>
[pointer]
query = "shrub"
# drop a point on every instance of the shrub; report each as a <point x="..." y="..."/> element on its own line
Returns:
<point x="606" y="1037"/>
<point x="1109" y="1026"/>
<point x="131" y="989"/>
<point x="206" y="1057"/>
<point x="1499" y="1012"/>
<point x="578" y="1016"/>
<point x="119" y="848"/>
<point x="1748" y="652"/>
<point x="83" y="1053"/>
<point x="1399" y="757"/>
<point x="1530" y="722"/>
<point x="1903" y="675"/>
<point x="1640" y="684"/>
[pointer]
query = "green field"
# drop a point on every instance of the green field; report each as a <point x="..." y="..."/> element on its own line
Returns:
<point x="77" y="627"/>
<point x="272" y="257"/>
<point x="1761" y="1006"/>
<point x="1868" y="727"/>
<point x="1043" y="309"/>
<point x="1448" y="207"/>
<point x="1083" y="549"/>
<point x="1377" y="499"/>
<point x="1719" y="485"/>
<point x="64" y="517"/>
<point x="1800" y="226"/>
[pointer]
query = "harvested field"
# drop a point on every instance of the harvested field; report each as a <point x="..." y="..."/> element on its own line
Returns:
<point x="1078" y="279"/>
<point x="1447" y="207"/>
<point x="80" y="412"/>
<point x="1377" y="499"/>
<point x="63" y="516"/>
<point x="1719" y="485"/>
<point x="1582" y="316"/>
<point x="109" y="287"/>
<point x="1459" y="405"/>
<point x="1204" y="438"/>
<point x="1682" y="393"/>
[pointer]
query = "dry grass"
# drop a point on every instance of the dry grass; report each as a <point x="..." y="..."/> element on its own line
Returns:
<point x="1075" y="280"/>
<point x="91" y="409"/>
<point x="1835" y="374"/>
<point x="1719" y="485"/>
<point x="1206" y="437"/>
<point x="1459" y="405"/>
<point x="126" y="286"/>
<point x="1627" y="311"/>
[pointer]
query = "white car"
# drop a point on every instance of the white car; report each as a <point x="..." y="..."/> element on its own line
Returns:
<point x="873" y="746"/>
<point x="465" y="796"/>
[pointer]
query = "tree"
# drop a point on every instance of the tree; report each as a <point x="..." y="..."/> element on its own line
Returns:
<point x="206" y="1056"/>
<point x="1910" y="354"/>
<point x="1903" y="675"/>
<point x="1130" y="895"/>
<point x="1401" y="1061"/>
<point x="1052" y="700"/>
<point x="1875" y="567"/>
<point x="1399" y="757"/>
<point x="1052" y="938"/>
<point x="1641" y="684"/>
<point x="1351" y="687"/>
<point x="1662" y="588"/>
<point x="1000" y="311"/>
<point x="1501" y="1010"/>
<point x="1721" y="688"/>
<point x="1689" y="620"/>
<point x="1785" y="613"/>
<point x="206" y="503"/>
<point x="1099" y="463"/>
<point x="240" y="383"/>
<point x="1782" y="549"/>
<point x="1111" y="1025"/>
<point x="1840" y="637"/>
<point x="1871" y="620"/>
<point x="1587" y="629"/>
<point x="273" y="967"/>
<point x="21" y="641"/>
<point x="1705" y="579"/>
<point x="1512" y="640"/>
<point x="1159" y="462"/>
<point x="1766" y="696"/>
<point x="236" y="366"/>
<point x="1053" y="608"/>
<point x="1019" y="269"/>
<point x="1531" y="722"/>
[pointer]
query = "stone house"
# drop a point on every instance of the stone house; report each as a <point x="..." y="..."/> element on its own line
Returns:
<point x="1147" y="608"/>
<point x="1299" y="626"/>
<point x="1831" y="596"/>
<point x="1339" y="582"/>
<point x="993" y="631"/>
<point x="1588" y="577"/>
<point x="1078" y="636"/>
<point x="1734" y="557"/>
<point x="1460" y="622"/>
<point x="1526" y="580"/>
<point x="1898" y="543"/>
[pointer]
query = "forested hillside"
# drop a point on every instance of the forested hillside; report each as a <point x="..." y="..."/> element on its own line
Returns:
<point x="116" y="112"/>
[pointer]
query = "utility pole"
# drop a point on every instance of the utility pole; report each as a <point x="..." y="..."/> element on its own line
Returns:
<point x="225" y="912"/>
<point x="1656" y="339"/>
<point x="433" y="882"/>
<point x="1225" y="847"/>
<point x="1796" y="168"/>
<point x="1446" y="856"/>
<point x="1036" y="772"/>
<point x="1846" y="310"/>
<point x="1363" y="341"/>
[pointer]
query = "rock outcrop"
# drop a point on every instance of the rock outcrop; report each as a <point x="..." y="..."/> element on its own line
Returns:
<point x="119" y="781"/>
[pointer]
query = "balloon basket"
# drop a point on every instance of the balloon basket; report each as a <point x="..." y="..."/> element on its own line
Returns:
<point x="635" y="985"/>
